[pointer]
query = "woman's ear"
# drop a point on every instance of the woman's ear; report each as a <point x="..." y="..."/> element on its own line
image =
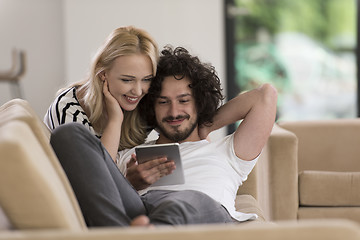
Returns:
<point x="102" y="76"/>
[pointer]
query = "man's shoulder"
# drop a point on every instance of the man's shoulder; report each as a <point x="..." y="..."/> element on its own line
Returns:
<point x="222" y="140"/>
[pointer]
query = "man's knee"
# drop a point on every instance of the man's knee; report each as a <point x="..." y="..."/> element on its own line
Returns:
<point x="173" y="212"/>
<point x="191" y="207"/>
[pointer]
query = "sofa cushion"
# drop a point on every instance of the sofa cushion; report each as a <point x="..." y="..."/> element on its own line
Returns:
<point x="350" y="213"/>
<point x="327" y="145"/>
<point x="31" y="193"/>
<point x="321" y="188"/>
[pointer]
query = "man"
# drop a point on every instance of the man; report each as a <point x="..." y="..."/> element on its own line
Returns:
<point x="182" y="104"/>
<point x="185" y="95"/>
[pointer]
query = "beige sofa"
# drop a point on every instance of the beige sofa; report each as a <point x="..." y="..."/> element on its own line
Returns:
<point x="328" y="168"/>
<point x="310" y="170"/>
<point x="38" y="202"/>
<point x="272" y="181"/>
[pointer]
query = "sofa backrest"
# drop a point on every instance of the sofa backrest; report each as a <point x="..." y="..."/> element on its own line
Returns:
<point x="34" y="190"/>
<point x="327" y="145"/>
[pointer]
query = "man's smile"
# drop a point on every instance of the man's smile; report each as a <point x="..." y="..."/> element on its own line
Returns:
<point x="175" y="121"/>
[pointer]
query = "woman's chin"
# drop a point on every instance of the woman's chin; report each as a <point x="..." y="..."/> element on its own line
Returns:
<point x="128" y="108"/>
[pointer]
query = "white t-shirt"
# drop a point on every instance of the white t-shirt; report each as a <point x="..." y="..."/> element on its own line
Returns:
<point x="211" y="168"/>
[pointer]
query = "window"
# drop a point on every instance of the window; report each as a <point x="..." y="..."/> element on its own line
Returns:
<point x="305" y="48"/>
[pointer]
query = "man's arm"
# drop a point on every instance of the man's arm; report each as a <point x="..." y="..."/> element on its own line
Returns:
<point x="258" y="108"/>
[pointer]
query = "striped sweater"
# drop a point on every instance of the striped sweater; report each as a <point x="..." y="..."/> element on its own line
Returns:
<point x="65" y="109"/>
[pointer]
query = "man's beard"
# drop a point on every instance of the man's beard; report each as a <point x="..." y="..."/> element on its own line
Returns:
<point x="177" y="135"/>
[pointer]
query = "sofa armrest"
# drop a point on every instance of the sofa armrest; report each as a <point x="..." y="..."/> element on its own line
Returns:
<point x="19" y="110"/>
<point x="309" y="230"/>
<point x="277" y="176"/>
<point x="32" y="193"/>
<point x="248" y="204"/>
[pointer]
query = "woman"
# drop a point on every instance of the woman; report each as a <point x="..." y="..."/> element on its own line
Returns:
<point x="106" y="101"/>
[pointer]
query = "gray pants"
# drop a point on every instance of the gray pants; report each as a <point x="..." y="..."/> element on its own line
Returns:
<point x="105" y="196"/>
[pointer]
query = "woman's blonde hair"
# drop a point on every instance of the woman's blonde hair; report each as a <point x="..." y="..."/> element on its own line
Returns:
<point x="121" y="42"/>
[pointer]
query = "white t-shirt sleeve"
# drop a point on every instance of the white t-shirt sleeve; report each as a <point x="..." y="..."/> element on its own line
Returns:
<point x="242" y="167"/>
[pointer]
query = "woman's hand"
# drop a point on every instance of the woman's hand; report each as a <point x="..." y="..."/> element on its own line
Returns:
<point x="143" y="175"/>
<point x="113" y="108"/>
<point x="111" y="135"/>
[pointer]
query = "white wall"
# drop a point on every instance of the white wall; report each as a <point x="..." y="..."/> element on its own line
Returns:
<point x="36" y="27"/>
<point x="60" y="36"/>
<point x="197" y="25"/>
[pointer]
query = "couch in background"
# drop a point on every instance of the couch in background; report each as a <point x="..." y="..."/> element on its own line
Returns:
<point x="327" y="177"/>
<point x="310" y="170"/>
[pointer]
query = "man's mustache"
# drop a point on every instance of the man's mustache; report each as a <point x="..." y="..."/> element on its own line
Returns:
<point x="172" y="118"/>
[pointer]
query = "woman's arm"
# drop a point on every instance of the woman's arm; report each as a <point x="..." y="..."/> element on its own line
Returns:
<point x="111" y="135"/>
<point x="65" y="109"/>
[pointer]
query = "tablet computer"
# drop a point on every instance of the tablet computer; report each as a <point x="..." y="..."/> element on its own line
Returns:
<point x="171" y="151"/>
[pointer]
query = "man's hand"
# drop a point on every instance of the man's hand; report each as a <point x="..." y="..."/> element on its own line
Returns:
<point x="143" y="175"/>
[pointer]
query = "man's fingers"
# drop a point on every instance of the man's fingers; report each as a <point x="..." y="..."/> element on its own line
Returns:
<point x="158" y="172"/>
<point x="153" y="163"/>
<point x="153" y="172"/>
<point x="144" y="174"/>
<point x="158" y="165"/>
<point x="166" y="168"/>
<point x="132" y="162"/>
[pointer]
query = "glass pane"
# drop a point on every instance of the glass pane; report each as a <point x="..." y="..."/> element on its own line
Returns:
<point x="305" y="48"/>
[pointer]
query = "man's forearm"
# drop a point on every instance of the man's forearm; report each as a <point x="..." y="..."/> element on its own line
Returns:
<point x="234" y="110"/>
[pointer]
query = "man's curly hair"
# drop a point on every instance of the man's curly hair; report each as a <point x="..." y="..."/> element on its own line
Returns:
<point x="205" y="84"/>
